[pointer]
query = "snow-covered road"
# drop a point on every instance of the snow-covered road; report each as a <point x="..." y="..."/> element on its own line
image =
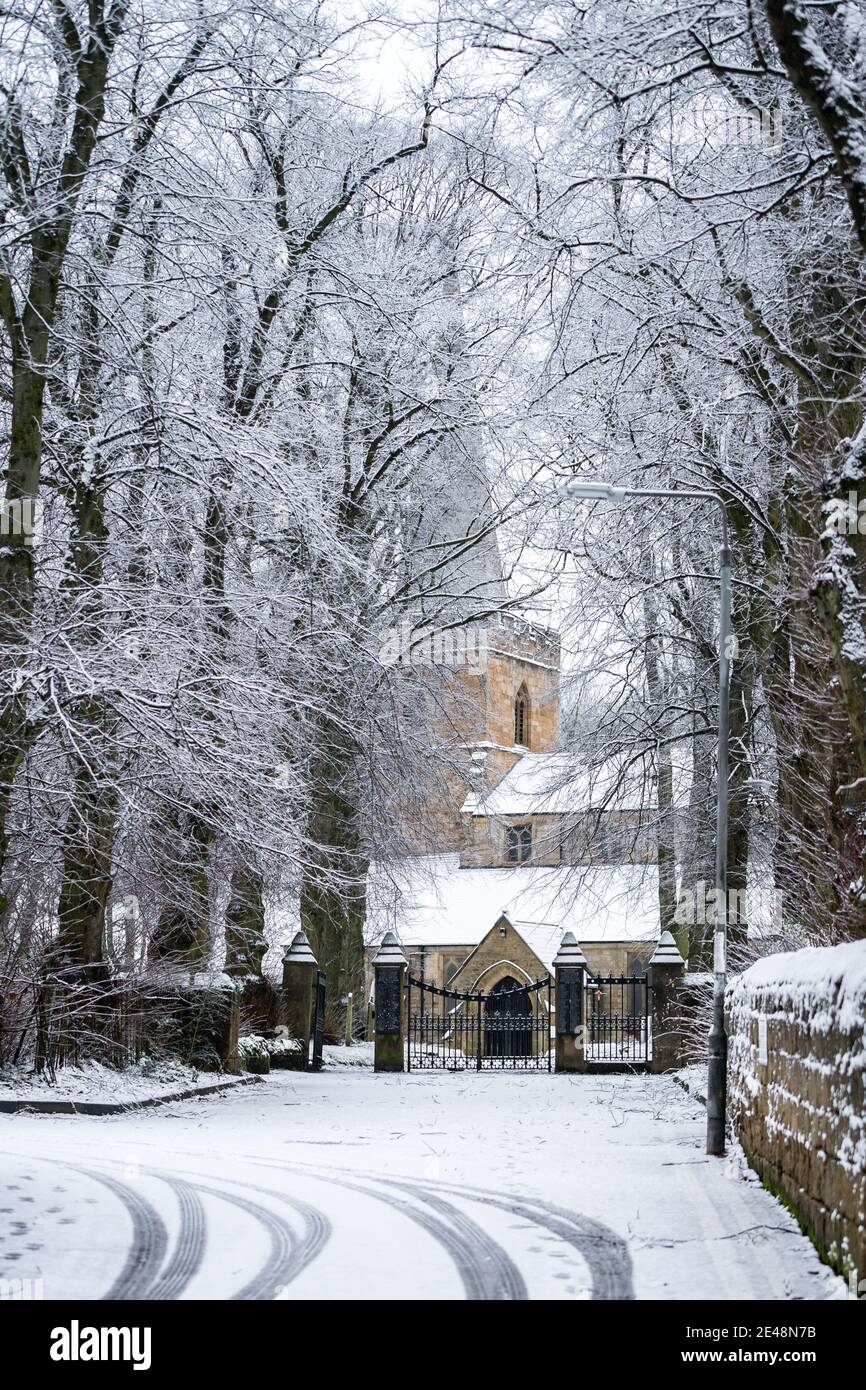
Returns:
<point x="348" y="1185"/>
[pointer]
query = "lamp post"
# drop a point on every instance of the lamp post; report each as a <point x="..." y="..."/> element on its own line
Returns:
<point x="718" y="1042"/>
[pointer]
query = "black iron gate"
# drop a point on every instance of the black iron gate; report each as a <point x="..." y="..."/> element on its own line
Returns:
<point x="506" y="1029"/>
<point x="315" y="1058"/>
<point x="619" y="1019"/>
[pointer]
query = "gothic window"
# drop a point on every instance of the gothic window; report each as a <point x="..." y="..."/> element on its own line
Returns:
<point x="518" y="843"/>
<point x="521" y="717"/>
<point x="450" y="966"/>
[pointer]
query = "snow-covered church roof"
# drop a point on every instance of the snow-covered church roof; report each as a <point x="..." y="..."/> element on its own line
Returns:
<point x="428" y="900"/>
<point x="556" y="784"/>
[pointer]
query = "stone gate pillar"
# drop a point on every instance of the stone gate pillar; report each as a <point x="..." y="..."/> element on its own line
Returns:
<point x="666" y="970"/>
<point x="300" y="969"/>
<point x="389" y="966"/>
<point x="570" y="967"/>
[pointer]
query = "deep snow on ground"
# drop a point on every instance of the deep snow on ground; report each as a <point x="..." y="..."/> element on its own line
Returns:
<point x="345" y="1184"/>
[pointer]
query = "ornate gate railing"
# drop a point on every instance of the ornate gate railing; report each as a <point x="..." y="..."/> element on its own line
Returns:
<point x="503" y="1030"/>
<point x="618" y="1019"/>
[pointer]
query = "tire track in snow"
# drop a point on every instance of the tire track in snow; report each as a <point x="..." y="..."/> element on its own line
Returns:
<point x="512" y="1281"/>
<point x="605" y="1253"/>
<point x="140" y="1277"/>
<point x="317" y="1230"/>
<point x="190" y="1245"/>
<point x="272" y="1274"/>
<point x="149" y="1241"/>
<point x="289" y="1255"/>
<point x="487" y="1273"/>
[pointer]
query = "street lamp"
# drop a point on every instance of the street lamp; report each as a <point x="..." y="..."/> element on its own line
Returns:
<point x="717" y="1081"/>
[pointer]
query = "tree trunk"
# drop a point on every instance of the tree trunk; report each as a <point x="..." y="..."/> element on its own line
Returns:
<point x="30" y="330"/>
<point x="333" y="887"/>
<point x="667" y="859"/>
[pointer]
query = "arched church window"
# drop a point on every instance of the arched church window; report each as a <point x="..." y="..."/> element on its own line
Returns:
<point x="518" y="843"/>
<point x="450" y="966"/>
<point x="521" y="717"/>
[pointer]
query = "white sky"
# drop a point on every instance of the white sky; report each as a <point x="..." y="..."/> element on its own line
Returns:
<point x="394" y="63"/>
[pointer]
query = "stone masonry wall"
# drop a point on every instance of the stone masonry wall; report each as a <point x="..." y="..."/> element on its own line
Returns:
<point x="604" y="837"/>
<point x="797" y="1090"/>
<point x="497" y="954"/>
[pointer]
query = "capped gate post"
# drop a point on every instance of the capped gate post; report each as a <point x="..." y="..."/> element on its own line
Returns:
<point x="389" y="965"/>
<point x="570" y="967"/>
<point x="666" y="970"/>
<point x="300" y="973"/>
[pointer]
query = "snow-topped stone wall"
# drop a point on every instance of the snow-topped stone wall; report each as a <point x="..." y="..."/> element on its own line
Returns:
<point x="797" y="1054"/>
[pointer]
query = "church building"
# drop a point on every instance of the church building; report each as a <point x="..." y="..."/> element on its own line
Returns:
<point x="531" y="845"/>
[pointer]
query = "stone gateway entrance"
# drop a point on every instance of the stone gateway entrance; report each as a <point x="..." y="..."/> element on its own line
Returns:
<point x="507" y="1028"/>
<point x="567" y="1021"/>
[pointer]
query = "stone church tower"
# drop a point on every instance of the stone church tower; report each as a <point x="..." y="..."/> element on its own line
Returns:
<point x="518" y="694"/>
<point x="503" y="702"/>
<point x="494" y="677"/>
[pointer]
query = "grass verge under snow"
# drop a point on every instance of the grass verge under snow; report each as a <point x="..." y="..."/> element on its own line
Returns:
<point x="92" y="1081"/>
